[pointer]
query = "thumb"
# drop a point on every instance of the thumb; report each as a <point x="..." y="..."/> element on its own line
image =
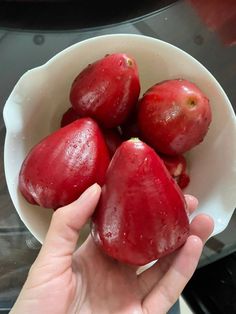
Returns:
<point x="66" y="223"/>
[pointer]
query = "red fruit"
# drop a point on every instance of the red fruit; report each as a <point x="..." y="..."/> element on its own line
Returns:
<point x="183" y="180"/>
<point x="107" y="89"/>
<point x="65" y="163"/>
<point x="176" y="166"/>
<point x="113" y="140"/>
<point x="141" y="215"/>
<point x="174" y="116"/>
<point x="69" y="116"/>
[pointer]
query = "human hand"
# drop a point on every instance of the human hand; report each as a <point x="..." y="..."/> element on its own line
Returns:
<point x="64" y="280"/>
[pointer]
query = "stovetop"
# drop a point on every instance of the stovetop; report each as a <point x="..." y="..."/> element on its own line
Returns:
<point x="21" y="51"/>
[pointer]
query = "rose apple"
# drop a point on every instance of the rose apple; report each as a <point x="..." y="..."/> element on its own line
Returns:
<point x="174" y="116"/>
<point x="64" y="164"/>
<point x="107" y="89"/>
<point x="141" y="215"/>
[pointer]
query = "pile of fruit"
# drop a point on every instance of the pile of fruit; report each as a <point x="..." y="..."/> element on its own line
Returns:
<point x="133" y="147"/>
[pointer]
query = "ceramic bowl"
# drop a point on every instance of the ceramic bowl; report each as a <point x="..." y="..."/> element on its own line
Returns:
<point x="36" y="104"/>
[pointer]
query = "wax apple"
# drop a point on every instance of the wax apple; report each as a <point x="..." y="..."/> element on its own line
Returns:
<point x="141" y="215"/>
<point x="107" y="89"/>
<point x="59" y="168"/>
<point x="174" y="116"/>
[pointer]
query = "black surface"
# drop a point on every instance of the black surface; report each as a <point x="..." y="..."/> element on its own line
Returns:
<point x="68" y="15"/>
<point x="212" y="289"/>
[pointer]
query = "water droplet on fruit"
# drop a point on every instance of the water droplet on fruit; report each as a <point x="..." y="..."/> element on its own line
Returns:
<point x="151" y="242"/>
<point x="75" y="146"/>
<point x="141" y="236"/>
<point x="124" y="234"/>
<point x="123" y="242"/>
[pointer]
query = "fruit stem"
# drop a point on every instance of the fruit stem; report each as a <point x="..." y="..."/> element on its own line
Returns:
<point x="129" y="62"/>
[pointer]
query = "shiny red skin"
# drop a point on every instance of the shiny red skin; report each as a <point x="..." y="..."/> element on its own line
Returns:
<point x="141" y="215"/>
<point x="69" y="116"/>
<point x="59" y="168"/>
<point x="111" y="136"/>
<point x="107" y="89"/>
<point x="113" y="140"/>
<point x="174" y="116"/>
<point x="183" y="180"/>
<point x="177" y="167"/>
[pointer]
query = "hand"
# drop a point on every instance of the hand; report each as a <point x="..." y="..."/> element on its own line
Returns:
<point x="86" y="281"/>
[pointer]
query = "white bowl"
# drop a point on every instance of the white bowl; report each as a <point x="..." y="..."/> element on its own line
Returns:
<point x="34" y="108"/>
